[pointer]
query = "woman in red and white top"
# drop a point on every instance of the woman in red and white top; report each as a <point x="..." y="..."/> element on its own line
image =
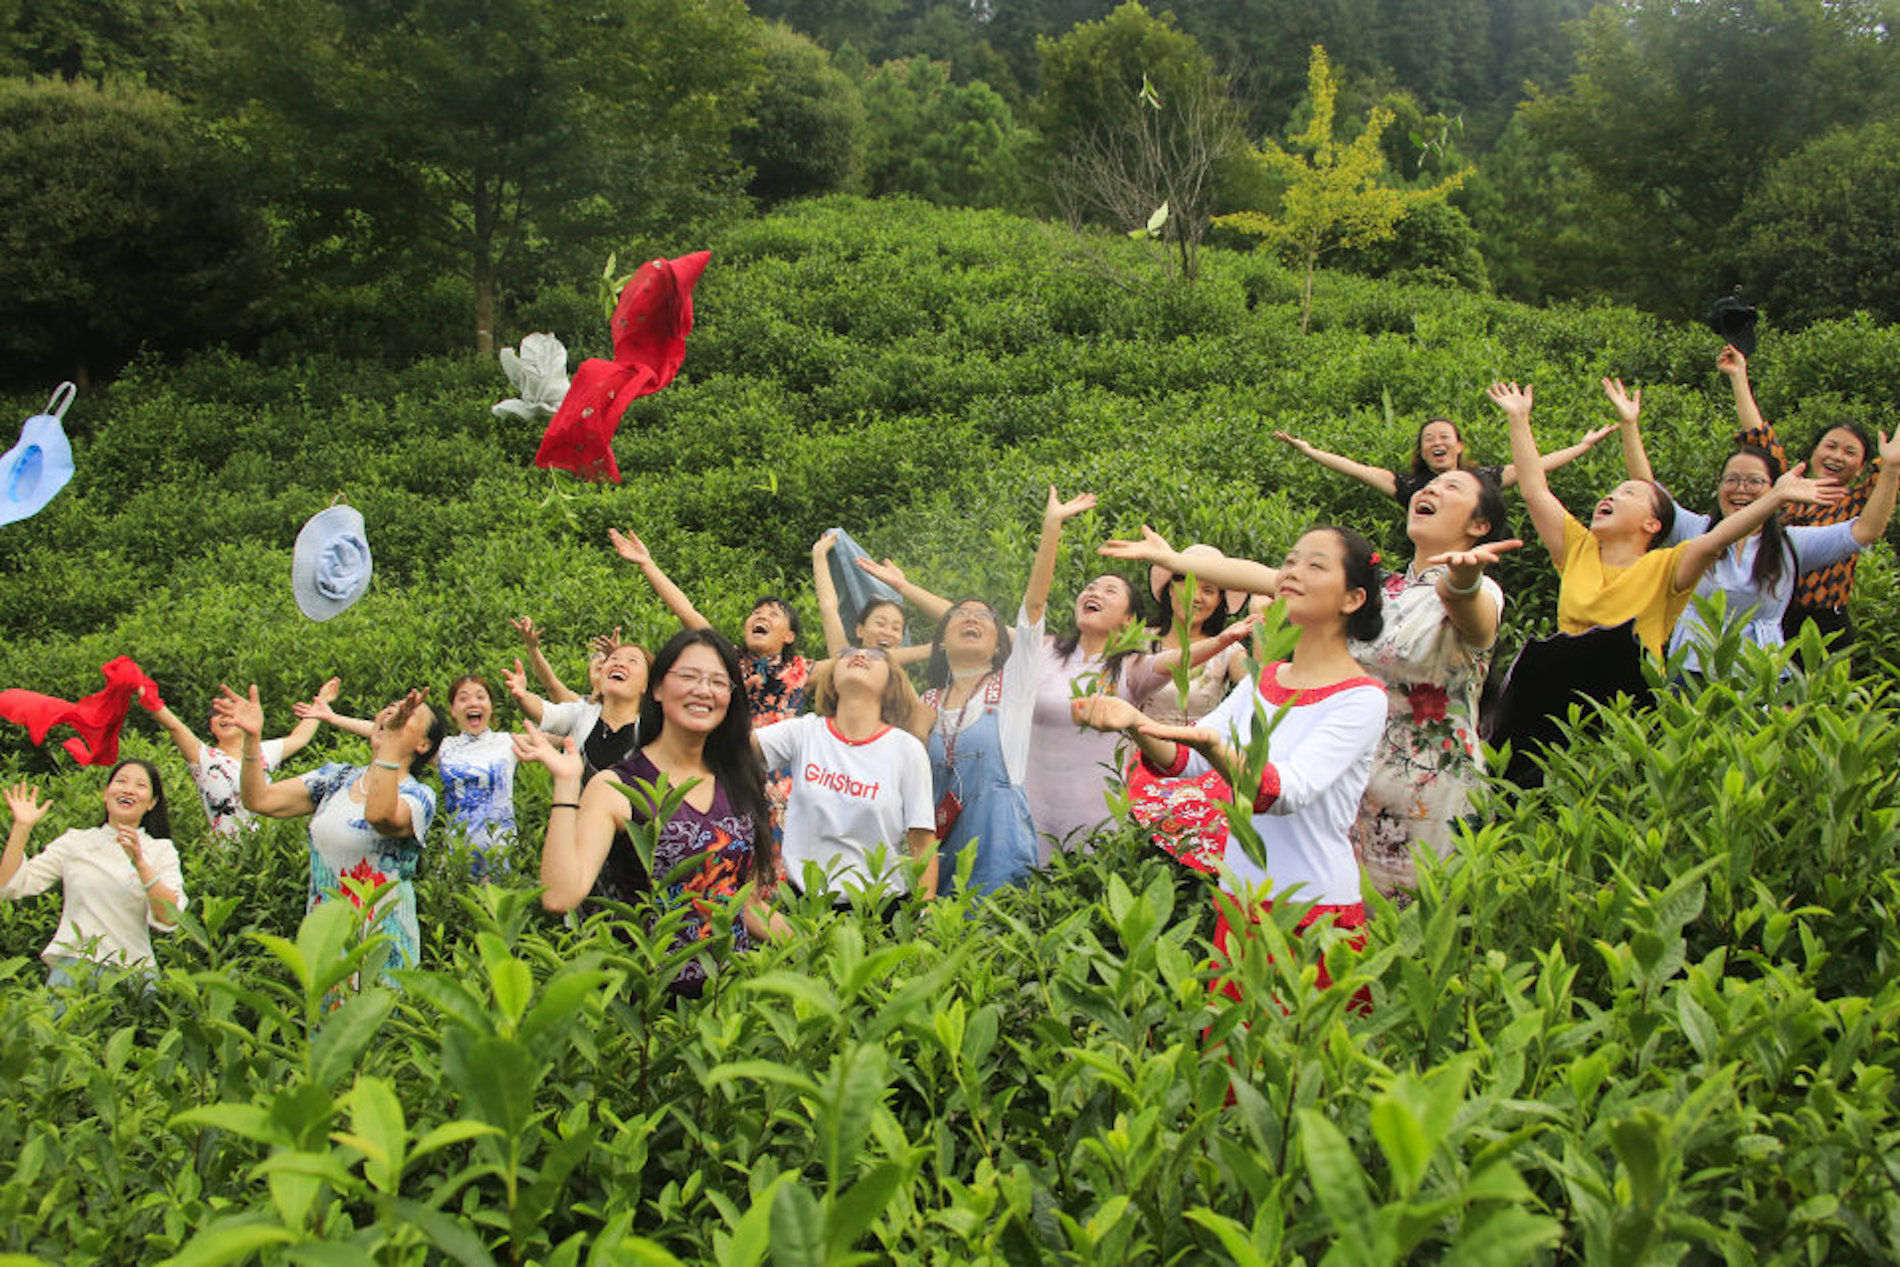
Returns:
<point x="861" y="796"/>
<point x="1319" y="756"/>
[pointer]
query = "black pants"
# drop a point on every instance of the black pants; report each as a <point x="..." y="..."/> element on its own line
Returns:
<point x="1829" y="620"/>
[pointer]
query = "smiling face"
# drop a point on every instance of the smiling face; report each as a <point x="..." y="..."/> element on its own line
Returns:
<point x="1629" y="511"/>
<point x="862" y="669"/>
<point x="1313" y="582"/>
<point x="768" y="630"/>
<point x="129" y="795"/>
<point x="623" y="673"/>
<point x="1745" y="477"/>
<point x="970" y="634"/>
<point x="881" y="626"/>
<point x="1840" y="455"/>
<point x="1194" y="614"/>
<point x="1444" y="514"/>
<point x="471" y="707"/>
<point x="695" y="693"/>
<point x="1439" y="446"/>
<point x="1104" y="605"/>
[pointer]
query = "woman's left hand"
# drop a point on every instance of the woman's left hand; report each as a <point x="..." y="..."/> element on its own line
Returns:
<point x="1104" y="712"/>
<point x="1592" y="438"/>
<point x="1199" y="738"/>
<point x="1794" y="486"/>
<point x="563" y="761"/>
<point x="1479" y="557"/>
<point x="129" y="841"/>
<point x="1152" y="548"/>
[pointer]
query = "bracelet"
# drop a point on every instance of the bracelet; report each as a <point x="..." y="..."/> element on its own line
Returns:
<point x="253" y="756"/>
<point x="149" y="883"/>
<point x="1466" y="592"/>
<point x="565" y="805"/>
<point x="381" y="764"/>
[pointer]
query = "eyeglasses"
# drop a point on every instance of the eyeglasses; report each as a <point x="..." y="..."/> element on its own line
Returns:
<point x="692" y="680"/>
<point x="875" y="653"/>
<point x="1753" y="483"/>
<point x="982" y="613"/>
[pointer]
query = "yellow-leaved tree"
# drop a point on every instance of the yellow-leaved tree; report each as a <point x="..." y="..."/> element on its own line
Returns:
<point x="1336" y="193"/>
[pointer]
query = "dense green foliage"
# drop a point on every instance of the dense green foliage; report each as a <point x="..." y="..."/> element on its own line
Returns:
<point x="1649" y="1014"/>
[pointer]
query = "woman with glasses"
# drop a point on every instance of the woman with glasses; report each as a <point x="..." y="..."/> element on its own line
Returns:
<point x="1757" y="574"/>
<point x="861" y="794"/>
<point x="696" y="732"/>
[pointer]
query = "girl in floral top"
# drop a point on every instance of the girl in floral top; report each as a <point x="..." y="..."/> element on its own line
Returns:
<point x="1441" y="619"/>
<point x="773" y="672"/>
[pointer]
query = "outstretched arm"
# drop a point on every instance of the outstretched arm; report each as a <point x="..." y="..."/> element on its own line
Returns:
<point x="828" y="617"/>
<point x="319" y="710"/>
<point x="558" y="691"/>
<point x="1872" y="521"/>
<point x="287" y="799"/>
<point x="931" y="605"/>
<point x="1752" y="428"/>
<point x="581" y="824"/>
<point x="189" y="746"/>
<point x="1547" y="513"/>
<point x="1560" y="457"/>
<point x="1227" y="574"/>
<point x="1461" y="590"/>
<point x="1375" y="476"/>
<point x="24" y="802"/>
<point x="307" y="722"/>
<point x="1700" y="553"/>
<point x="1629" y="409"/>
<point x="1042" y="573"/>
<point x="633" y="550"/>
<point x="516" y="684"/>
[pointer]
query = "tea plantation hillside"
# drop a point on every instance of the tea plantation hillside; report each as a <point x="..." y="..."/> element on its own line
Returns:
<point x="1648" y="1015"/>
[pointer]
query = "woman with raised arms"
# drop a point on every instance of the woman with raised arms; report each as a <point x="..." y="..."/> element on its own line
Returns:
<point x="1319" y="755"/>
<point x="118" y="881"/>
<point x="213" y="766"/>
<point x="696" y="732"/>
<point x="1440" y="447"/>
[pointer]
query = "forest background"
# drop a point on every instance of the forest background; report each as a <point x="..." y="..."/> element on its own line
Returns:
<point x="1650" y="1015"/>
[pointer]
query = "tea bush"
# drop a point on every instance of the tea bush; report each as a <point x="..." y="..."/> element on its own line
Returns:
<point x="1647" y="1015"/>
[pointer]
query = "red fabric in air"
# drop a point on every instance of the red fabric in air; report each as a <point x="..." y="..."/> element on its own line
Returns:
<point x="98" y="718"/>
<point x="650" y="325"/>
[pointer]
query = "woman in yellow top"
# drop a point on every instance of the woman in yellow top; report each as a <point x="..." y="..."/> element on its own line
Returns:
<point x="1613" y="585"/>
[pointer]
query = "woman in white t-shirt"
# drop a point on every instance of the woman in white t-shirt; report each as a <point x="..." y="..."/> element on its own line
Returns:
<point x="119" y="880"/>
<point x="214" y="766"/>
<point x="861" y="800"/>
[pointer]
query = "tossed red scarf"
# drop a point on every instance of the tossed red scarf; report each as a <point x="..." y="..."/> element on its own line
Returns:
<point x="98" y="718"/>
<point x="650" y="325"/>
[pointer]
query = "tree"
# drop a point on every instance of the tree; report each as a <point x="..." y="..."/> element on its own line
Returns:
<point x="1821" y="238"/>
<point x="1139" y="120"/>
<point x="1678" y="107"/>
<point x="478" y="132"/>
<point x="1335" y="191"/>
<point x="120" y="230"/>
<point x="953" y="144"/>
<point x="806" y="135"/>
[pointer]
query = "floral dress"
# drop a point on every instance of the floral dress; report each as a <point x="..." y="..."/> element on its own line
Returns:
<point x="1186" y="817"/>
<point x="720" y="835"/>
<point x="343" y="844"/>
<point x="1427" y="760"/>
<point x="775" y="690"/>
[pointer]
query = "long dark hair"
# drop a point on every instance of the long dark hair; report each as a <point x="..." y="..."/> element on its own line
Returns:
<point x="1065" y="644"/>
<point x="1663" y="506"/>
<point x="937" y="672"/>
<point x="1771" y="554"/>
<point x="1362" y="573"/>
<point x="1161" y="614"/>
<point x="728" y="750"/>
<point x="1491" y="509"/>
<point x="157" y="822"/>
<point x="791" y="620"/>
<point x="1419" y="467"/>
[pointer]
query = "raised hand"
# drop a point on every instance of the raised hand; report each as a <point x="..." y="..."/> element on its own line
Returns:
<point x="1889" y="450"/>
<point x="24" y="803"/>
<point x="629" y="547"/>
<point x="515" y="680"/>
<point x="327" y="693"/>
<point x="562" y="761"/>
<point x="1297" y="442"/>
<point x="1062" y="511"/>
<point x="1152" y="548"/>
<point x="1628" y="404"/>
<point x="1104" y="712"/>
<point x="1480" y="557"/>
<point x="1597" y="435"/>
<point x="1795" y="487"/>
<point x="822" y="547"/>
<point x="1515" y="401"/>
<point x="887" y="572"/>
<point x="318" y="708"/>
<point x="530" y="636"/>
<point x="602" y="645"/>
<point x="244" y="712"/>
<point x="1731" y="362"/>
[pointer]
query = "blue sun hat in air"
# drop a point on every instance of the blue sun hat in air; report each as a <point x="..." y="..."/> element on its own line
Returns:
<point x="36" y="468"/>
<point x="331" y="567"/>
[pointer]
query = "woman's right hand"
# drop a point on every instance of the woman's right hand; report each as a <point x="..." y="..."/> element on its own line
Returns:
<point x="246" y="713"/>
<point x="563" y="761"/>
<point x="629" y="547"/>
<point x="1105" y="712"/>
<point x="602" y="645"/>
<point x="515" y="680"/>
<point x="1152" y="548"/>
<point x="1731" y="362"/>
<point x="530" y="636"/>
<point x="1628" y="404"/>
<point x="1055" y="510"/>
<point x="1515" y="401"/>
<point x="24" y="803"/>
<point x="822" y="547"/>
<point x="318" y="708"/>
<point x="1297" y="442"/>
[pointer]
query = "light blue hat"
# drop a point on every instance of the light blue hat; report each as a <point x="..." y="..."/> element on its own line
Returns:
<point x="36" y="468"/>
<point x="331" y="566"/>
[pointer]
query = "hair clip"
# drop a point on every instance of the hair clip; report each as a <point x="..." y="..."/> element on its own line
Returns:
<point x="1375" y="558"/>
